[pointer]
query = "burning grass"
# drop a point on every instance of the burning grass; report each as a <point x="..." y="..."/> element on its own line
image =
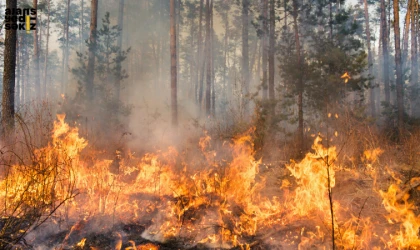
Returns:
<point x="222" y="197"/>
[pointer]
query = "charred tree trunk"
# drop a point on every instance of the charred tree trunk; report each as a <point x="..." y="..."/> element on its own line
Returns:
<point x="245" y="52"/>
<point x="92" y="49"/>
<point x="398" y="66"/>
<point x="370" y="61"/>
<point x="36" y="55"/>
<point x="264" y="49"/>
<point x="8" y="101"/>
<point x="272" y="52"/>
<point x="44" y="88"/>
<point x="173" y="65"/>
<point x="385" y="53"/>
<point x="299" y="80"/>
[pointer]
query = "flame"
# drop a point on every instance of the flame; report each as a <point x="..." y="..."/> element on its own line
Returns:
<point x="346" y="77"/>
<point x="219" y="198"/>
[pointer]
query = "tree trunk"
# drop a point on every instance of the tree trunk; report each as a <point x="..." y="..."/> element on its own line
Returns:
<point x="264" y="48"/>
<point x="398" y="66"/>
<point x="208" y="55"/>
<point x="299" y="80"/>
<point x="414" y="64"/>
<point x="200" y="60"/>
<point x="46" y="52"/>
<point x="36" y="55"/>
<point x="82" y="24"/>
<point x="370" y="62"/>
<point x="173" y="65"/>
<point x="225" y="56"/>
<point x="213" y="93"/>
<point x="245" y="53"/>
<point x="191" y="64"/>
<point x="8" y="101"/>
<point x="18" y="70"/>
<point x="406" y="34"/>
<point x="385" y="39"/>
<point x="92" y="49"/>
<point x="66" y="54"/>
<point x="272" y="52"/>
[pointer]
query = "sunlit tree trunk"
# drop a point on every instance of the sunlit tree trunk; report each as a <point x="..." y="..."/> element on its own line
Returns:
<point x="370" y="61"/>
<point x="385" y="54"/>
<point x="173" y="64"/>
<point x="398" y="69"/>
<point x="36" y="55"/>
<point x="92" y="48"/>
<point x="9" y="54"/>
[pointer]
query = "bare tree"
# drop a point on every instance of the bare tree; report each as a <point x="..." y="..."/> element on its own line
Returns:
<point x="245" y="51"/>
<point x="36" y="54"/>
<point x="173" y="65"/>
<point x="299" y="80"/>
<point x="264" y="48"/>
<point x="398" y="69"/>
<point x="8" y="101"/>
<point x="385" y="53"/>
<point x="44" y="88"/>
<point x="272" y="43"/>
<point x="92" y="48"/>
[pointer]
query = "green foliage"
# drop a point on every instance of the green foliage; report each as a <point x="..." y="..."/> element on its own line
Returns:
<point x="325" y="57"/>
<point x="108" y="74"/>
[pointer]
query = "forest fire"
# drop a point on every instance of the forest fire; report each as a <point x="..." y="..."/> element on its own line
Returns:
<point x="209" y="124"/>
<point x="211" y="201"/>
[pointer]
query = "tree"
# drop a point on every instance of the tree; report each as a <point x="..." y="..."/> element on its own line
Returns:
<point x="8" y="101"/>
<point x="208" y="52"/>
<point x="44" y="88"/>
<point x="272" y="50"/>
<point x="398" y="69"/>
<point x="264" y="48"/>
<point x="36" y="55"/>
<point x="300" y="86"/>
<point x="173" y="34"/>
<point x="120" y="25"/>
<point x="415" y="110"/>
<point x="92" y="48"/>
<point x="385" y="54"/>
<point x="370" y="60"/>
<point x="245" y="50"/>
